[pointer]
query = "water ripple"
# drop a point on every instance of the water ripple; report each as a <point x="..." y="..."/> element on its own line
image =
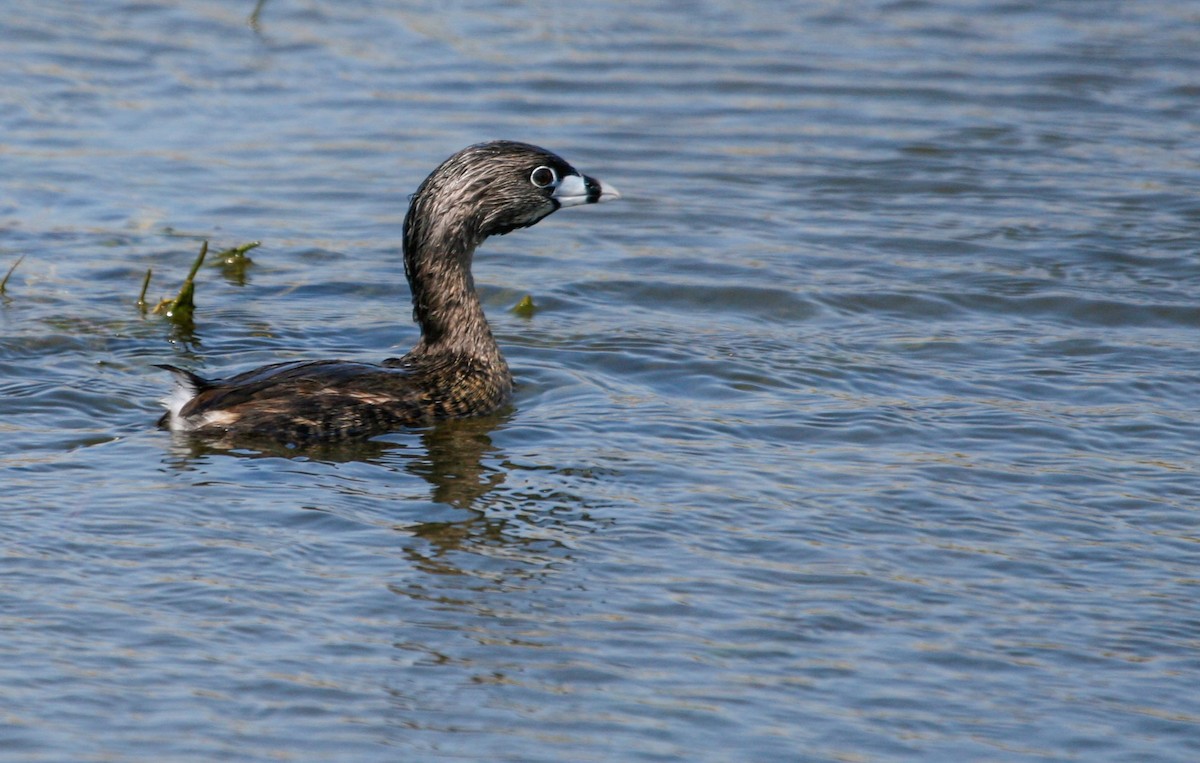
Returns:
<point x="861" y="429"/>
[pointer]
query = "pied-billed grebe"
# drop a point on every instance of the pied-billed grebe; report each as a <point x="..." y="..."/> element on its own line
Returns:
<point x="456" y="369"/>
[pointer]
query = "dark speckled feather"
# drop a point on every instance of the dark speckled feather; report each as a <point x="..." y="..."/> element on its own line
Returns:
<point x="455" y="370"/>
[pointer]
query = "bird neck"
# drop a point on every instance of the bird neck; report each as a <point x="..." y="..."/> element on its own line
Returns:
<point x="437" y="261"/>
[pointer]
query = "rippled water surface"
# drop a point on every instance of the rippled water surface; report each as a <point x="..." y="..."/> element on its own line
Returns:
<point x="864" y="428"/>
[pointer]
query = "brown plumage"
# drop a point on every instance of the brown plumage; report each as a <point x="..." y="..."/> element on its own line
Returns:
<point x="455" y="370"/>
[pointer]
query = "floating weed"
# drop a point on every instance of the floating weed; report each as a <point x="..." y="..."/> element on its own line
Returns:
<point x="181" y="309"/>
<point x="4" y="282"/>
<point x="233" y="262"/>
<point x="170" y="232"/>
<point x="525" y="308"/>
<point x="256" y="17"/>
<point x="141" y="303"/>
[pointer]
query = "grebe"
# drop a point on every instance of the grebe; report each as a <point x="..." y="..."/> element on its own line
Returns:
<point x="456" y="368"/>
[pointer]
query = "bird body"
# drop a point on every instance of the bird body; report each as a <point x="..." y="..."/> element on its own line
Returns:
<point x="456" y="368"/>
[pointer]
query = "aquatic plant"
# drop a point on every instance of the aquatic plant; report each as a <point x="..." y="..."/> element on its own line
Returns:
<point x="525" y="308"/>
<point x="255" y="17"/>
<point x="181" y="309"/>
<point x="234" y="262"/>
<point x="141" y="300"/>
<point x="4" y="282"/>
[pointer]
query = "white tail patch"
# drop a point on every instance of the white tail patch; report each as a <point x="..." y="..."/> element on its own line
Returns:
<point x="181" y="394"/>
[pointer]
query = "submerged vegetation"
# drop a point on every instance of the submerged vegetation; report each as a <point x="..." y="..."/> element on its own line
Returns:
<point x="180" y="309"/>
<point x="4" y="282"/>
<point x="234" y="262"/>
<point x="525" y="308"/>
<point x="141" y="301"/>
<point x="255" y="20"/>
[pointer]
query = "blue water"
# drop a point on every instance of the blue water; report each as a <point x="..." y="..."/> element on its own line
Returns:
<point x="863" y="428"/>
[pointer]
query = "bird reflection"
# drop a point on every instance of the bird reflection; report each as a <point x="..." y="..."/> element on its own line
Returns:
<point x="523" y="531"/>
<point x="452" y="460"/>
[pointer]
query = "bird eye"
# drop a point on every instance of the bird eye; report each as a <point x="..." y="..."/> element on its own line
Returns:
<point x="543" y="176"/>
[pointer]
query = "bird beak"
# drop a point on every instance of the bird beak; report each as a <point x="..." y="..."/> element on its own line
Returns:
<point x="580" y="189"/>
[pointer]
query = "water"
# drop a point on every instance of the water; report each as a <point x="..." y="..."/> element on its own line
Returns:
<point x="862" y="429"/>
